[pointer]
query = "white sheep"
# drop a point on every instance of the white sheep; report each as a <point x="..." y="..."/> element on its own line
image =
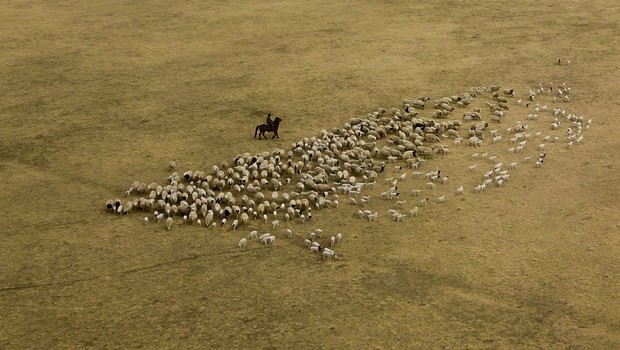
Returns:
<point x="253" y="234"/>
<point x="235" y="223"/>
<point x="244" y="218"/>
<point x="460" y="190"/>
<point x="423" y="202"/>
<point x="242" y="242"/>
<point x="275" y="224"/>
<point x="289" y="233"/>
<point x="268" y="239"/>
<point x="441" y="199"/>
<point x="329" y="254"/>
<point x="169" y="222"/>
<point x="414" y="211"/>
<point x="318" y="232"/>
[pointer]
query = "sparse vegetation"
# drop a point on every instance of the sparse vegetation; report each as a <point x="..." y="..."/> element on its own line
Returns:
<point x="97" y="95"/>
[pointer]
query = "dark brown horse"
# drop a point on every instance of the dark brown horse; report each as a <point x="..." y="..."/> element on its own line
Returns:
<point x="263" y="128"/>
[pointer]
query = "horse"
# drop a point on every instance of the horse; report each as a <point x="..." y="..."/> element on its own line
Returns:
<point x="267" y="128"/>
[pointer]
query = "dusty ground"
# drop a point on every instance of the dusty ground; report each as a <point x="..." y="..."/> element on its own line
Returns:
<point x="96" y="95"/>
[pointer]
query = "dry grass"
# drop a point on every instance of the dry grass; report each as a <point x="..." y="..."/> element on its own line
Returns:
<point x="98" y="94"/>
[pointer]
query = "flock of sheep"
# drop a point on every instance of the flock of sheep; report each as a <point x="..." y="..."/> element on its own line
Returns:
<point x="371" y="156"/>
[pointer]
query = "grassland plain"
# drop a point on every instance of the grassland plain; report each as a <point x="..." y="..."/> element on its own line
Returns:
<point x="97" y="94"/>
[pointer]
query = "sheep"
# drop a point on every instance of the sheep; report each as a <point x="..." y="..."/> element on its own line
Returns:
<point x="244" y="218"/>
<point x="169" y="222"/>
<point x="329" y="254"/>
<point x="312" y="236"/>
<point x="423" y="202"/>
<point x="253" y="234"/>
<point x="268" y="239"/>
<point x="318" y="232"/>
<point x="460" y="190"/>
<point x="414" y="211"/>
<point x="338" y="237"/>
<point x="234" y="225"/>
<point x="192" y="217"/>
<point x="209" y="218"/>
<point x="509" y="92"/>
<point x="441" y="199"/>
<point x="242" y="242"/>
<point x="416" y="193"/>
<point x="475" y="141"/>
<point x="275" y="224"/>
<point x="430" y="186"/>
<point x="372" y="217"/>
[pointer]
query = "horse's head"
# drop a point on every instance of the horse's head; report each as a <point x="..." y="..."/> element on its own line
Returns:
<point x="277" y="120"/>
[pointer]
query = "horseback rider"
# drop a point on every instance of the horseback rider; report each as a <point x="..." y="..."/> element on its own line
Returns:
<point x="270" y="121"/>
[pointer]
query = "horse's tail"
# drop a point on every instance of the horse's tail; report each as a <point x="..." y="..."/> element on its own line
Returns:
<point x="256" y="131"/>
